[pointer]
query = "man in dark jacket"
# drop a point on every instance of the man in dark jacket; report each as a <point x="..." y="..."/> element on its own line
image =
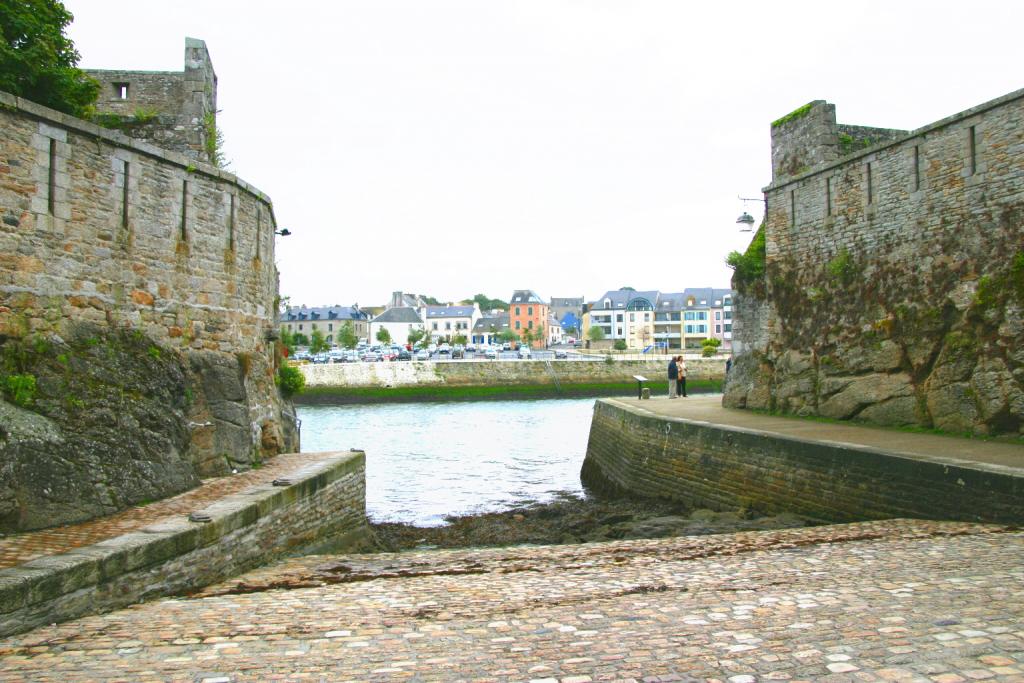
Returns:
<point x="673" y="375"/>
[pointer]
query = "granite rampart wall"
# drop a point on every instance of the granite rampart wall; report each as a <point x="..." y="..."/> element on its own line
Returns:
<point x="894" y="287"/>
<point x="104" y="231"/>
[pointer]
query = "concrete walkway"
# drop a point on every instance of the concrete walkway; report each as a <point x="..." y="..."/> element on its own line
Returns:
<point x="978" y="453"/>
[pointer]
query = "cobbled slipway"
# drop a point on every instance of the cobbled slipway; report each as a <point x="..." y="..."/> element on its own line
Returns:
<point x="893" y="600"/>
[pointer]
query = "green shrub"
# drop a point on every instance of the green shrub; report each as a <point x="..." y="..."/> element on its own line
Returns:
<point x="20" y="389"/>
<point x="749" y="266"/>
<point x="290" y="380"/>
<point x="620" y="344"/>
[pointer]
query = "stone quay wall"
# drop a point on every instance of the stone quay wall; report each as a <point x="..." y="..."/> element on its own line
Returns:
<point x="102" y="231"/>
<point x="894" y="287"/>
<point x="508" y="372"/>
<point x="726" y="468"/>
<point x="319" y="508"/>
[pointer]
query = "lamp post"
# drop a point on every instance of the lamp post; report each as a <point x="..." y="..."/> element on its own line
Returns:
<point x="283" y="232"/>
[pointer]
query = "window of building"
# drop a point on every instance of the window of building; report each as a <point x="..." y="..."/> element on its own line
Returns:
<point x="529" y="310"/>
<point x="619" y="332"/>
<point x="728" y="315"/>
<point x="330" y="327"/>
<point x="447" y="326"/>
<point x="718" y="329"/>
<point x="728" y="327"/>
<point x="300" y="326"/>
<point x="433" y="326"/>
<point x="632" y="317"/>
<point x="517" y="325"/>
<point x="618" y="318"/>
<point x="718" y="315"/>
<point x="647" y="317"/>
<point x="517" y="310"/>
<point x="529" y="325"/>
<point x="121" y="91"/>
<point x="313" y="326"/>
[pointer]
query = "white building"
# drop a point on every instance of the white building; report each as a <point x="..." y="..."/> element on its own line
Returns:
<point x="555" y="332"/>
<point x="445" y="322"/>
<point x="399" y="322"/>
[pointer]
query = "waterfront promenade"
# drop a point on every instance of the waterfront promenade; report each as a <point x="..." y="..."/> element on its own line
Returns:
<point x="876" y="601"/>
<point x="918" y="445"/>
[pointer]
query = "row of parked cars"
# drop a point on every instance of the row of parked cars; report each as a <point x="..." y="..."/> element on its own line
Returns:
<point x="375" y="354"/>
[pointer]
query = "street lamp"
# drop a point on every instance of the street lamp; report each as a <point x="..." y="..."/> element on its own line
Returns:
<point x="283" y="232"/>
<point x="746" y="221"/>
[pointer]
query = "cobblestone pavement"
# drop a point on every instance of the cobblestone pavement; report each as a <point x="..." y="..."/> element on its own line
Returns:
<point x="877" y="601"/>
<point x="930" y="447"/>
<point x="21" y="548"/>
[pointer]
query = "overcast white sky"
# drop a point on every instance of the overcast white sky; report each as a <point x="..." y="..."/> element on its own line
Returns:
<point x="565" y="146"/>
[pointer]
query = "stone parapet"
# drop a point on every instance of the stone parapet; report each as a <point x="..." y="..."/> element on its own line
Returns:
<point x="319" y="507"/>
<point x="726" y="467"/>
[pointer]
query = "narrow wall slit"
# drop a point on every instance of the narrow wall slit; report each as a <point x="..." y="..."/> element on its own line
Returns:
<point x="231" y="223"/>
<point x="972" y="145"/>
<point x="52" y="179"/>
<point x="184" y="211"/>
<point x="124" y="196"/>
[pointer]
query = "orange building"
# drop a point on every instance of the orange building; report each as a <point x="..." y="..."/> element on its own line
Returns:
<point x="528" y="312"/>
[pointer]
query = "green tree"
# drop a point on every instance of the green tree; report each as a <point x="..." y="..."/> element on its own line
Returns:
<point x="415" y="336"/>
<point x="347" y="338"/>
<point x="709" y="347"/>
<point x="317" y="343"/>
<point x="300" y="339"/>
<point x="38" y="62"/>
<point x="488" y="304"/>
<point x="508" y="336"/>
<point x="620" y="344"/>
<point x="528" y="336"/>
<point x="383" y="336"/>
<point x="288" y="340"/>
<point x="595" y="333"/>
<point x="459" y="339"/>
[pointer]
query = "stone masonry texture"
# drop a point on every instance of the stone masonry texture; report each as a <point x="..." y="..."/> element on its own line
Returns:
<point x="700" y="463"/>
<point x="468" y="373"/>
<point x="169" y="109"/>
<point x="908" y="601"/>
<point x="318" y="504"/>
<point x="114" y="250"/>
<point x="894" y="288"/>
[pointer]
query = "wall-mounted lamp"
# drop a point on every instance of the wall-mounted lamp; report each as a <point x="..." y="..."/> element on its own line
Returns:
<point x="746" y="221"/>
<point x="283" y="232"/>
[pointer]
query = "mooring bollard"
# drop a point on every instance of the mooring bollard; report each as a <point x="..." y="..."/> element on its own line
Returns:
<point x="645" y="393"/>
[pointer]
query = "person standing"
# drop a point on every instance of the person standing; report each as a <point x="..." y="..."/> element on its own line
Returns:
<point x="673" y="376"/>
<point x="681" y="381"/>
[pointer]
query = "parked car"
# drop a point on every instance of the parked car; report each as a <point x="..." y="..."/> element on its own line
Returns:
<point x="524" y="353"/>
<point x="423" y="354"/>
<point x="471" y="348"/>
<point x="370" y="356"/>
<point x="507" y="346"/>
<point x="403" y="355"/>
<point x="560" y="354"/>
<point x="491" y="353"/>
<point x="458" y="353"/>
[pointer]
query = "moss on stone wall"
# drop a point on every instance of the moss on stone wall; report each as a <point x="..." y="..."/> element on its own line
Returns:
<point x="797" y="113"/>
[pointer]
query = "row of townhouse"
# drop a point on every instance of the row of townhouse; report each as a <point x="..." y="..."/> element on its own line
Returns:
<point x="669" y="320"/>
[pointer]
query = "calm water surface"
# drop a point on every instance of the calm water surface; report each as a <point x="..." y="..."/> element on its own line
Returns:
<point x="428" y="460"/>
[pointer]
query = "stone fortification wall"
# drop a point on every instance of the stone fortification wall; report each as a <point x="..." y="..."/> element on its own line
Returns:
<point x="319" y="508"/>
<point x="512" y="372"/>
<point x="726" y="468"/>
<point x="894" y="288"/>
<point x="100" y="234"/>
<point x="171" y="109"/>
